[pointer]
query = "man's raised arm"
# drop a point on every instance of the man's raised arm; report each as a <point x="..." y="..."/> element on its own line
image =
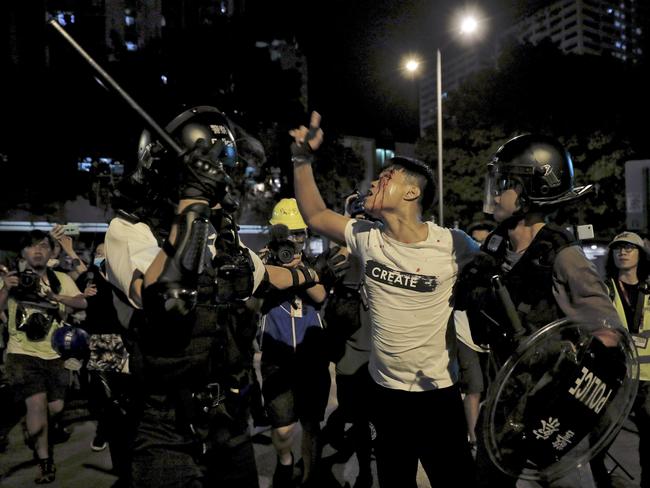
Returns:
<point x="319" y="218"/>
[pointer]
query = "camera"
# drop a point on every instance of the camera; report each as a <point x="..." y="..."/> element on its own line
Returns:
<point x="28" y="286"/>
<point x="281" y="248"/>
<point x="282" y="251"/>
<point x="35" y="324"/>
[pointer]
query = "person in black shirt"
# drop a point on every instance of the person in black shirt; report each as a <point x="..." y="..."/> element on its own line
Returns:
<point x="107" y="365"/>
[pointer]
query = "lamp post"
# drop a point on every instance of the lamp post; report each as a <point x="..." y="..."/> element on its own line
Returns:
<point x="439" y="124"/>
<point x="468" y="27"/>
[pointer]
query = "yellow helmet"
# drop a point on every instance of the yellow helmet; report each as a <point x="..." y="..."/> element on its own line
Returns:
<point x="286" y="212"/>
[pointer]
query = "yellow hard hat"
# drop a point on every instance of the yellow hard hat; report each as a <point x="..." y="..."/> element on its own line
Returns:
<point x="286" y="212"/>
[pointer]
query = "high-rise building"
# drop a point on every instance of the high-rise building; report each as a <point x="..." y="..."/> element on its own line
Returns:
<point x="456" y="67"/>
<point x="597" y="27"/>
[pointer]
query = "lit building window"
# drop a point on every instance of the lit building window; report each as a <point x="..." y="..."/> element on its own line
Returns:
<point x="383" y="155"/>
<point x="64" y="18"/>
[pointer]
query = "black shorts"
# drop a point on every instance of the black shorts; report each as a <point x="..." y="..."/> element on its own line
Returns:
<point x="471" y="375"/>
<point x="30" y="375"/>
<point x="295" y="389"/>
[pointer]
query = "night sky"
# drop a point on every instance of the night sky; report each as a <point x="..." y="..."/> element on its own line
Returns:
<point x="355" y="55"/>
<point x="355" y="49"/>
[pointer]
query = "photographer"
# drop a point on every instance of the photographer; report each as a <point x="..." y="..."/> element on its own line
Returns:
<point x="37" y="299"/>
<point x="294" y="365"/>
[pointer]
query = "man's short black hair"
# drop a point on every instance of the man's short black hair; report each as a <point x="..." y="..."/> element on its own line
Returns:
<point x="421" y="171"/>
<point x="34" y="237"/>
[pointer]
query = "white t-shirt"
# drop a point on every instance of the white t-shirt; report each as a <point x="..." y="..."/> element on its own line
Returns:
<point x="131" y="248"/>
<point x="410" y="296"/>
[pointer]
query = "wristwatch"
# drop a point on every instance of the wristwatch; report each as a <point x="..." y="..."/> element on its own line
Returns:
<point x="76" y="262"/>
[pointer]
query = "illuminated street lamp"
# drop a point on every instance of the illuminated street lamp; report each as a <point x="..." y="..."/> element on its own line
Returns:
<point x="468" y="27"/>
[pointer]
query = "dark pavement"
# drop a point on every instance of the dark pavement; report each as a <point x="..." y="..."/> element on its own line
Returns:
<point x="80" y="467"/>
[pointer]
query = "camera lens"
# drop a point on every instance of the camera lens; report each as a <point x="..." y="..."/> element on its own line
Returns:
<point x="285" y="255"/>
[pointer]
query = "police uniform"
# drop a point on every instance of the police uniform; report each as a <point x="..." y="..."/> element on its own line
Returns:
<point x="194" y="376"/>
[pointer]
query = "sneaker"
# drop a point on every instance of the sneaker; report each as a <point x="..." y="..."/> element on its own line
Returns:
<point x="47" y="471"/>
<point x="98" y="444"/>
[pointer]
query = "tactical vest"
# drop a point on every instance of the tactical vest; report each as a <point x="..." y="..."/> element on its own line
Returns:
<point x="642" y="337"/>
<point x="529" y="283"/>
<point x="211" y="344"/>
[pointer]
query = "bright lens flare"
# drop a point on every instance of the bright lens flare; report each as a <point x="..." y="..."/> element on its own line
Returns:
<point x="412" y="65"/>
<point x="468" y="25"/>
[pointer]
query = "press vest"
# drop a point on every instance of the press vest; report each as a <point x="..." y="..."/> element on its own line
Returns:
<point x="642" y="338"/>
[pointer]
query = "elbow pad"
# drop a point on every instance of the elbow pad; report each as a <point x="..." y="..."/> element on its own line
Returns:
<point x="175" y="292"/>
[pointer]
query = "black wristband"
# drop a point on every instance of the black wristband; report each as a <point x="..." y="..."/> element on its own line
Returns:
<point x="294" y="277"/>
<point x="309" y="281"/>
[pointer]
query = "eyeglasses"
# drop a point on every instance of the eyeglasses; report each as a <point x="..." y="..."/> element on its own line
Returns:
<point x="298" y="236"/>
<point x="627" y="247"/>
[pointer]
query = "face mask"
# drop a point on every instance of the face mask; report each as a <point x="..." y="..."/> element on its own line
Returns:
<point x="98" y="262"/>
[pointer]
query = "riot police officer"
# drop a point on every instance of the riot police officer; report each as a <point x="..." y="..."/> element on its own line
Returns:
<point x="529" y="272"/>
<point x="188" y="354"/>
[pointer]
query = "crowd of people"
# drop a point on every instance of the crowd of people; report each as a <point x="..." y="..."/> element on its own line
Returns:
<point x="414" y="316"/>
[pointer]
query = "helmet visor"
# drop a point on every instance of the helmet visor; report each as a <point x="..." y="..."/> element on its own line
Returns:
<point x="496" y="182"/>
<point x="228" y="153"/>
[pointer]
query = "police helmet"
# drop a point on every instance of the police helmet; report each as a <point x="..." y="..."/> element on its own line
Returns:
<point x="71" y="342"/>
<point x="202" y="122"/>
<point x="539" y="165"/>
<point x="149" y="181"/>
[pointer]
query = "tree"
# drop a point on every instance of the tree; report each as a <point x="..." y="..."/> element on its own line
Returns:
<point x="588" y="102"/>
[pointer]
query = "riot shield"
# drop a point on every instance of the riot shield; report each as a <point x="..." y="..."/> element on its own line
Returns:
<point x="560" y="399"/>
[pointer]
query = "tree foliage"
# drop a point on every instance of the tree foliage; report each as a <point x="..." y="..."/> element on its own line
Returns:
<point x="590" y="103"/>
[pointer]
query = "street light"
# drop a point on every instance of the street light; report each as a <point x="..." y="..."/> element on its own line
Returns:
<point x="468" y="26"/>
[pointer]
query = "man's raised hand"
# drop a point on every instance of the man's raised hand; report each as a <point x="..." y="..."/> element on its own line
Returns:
<point x="306" y="140"/>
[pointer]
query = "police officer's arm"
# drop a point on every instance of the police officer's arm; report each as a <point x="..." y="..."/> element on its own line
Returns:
<point x="154" y="270"/>
<point x="581" y="293"/>
<point x="282" y="278"/>
<point x="312" y="207"/>
<point x="318" y="293"/>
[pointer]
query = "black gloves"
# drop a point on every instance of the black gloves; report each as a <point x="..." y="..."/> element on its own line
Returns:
<point x="331" y="266"/>
<point x="202" y="175"/>
<point x="302" y="153"/>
